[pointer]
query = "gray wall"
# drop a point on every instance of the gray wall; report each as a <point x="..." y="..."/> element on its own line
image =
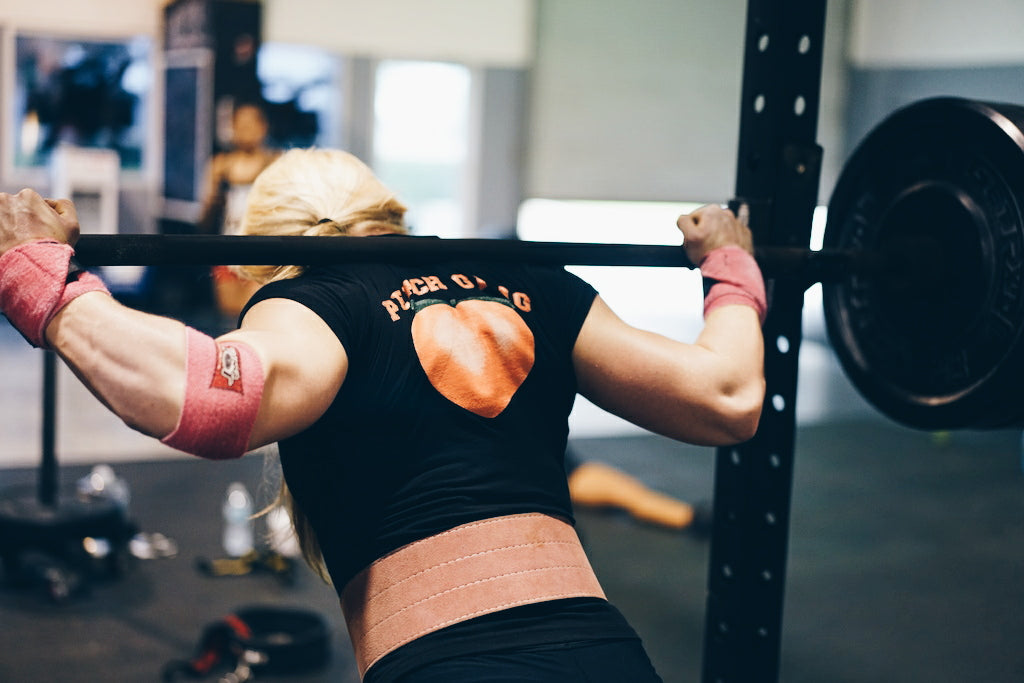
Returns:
<point x="877" y="92"/>
<point x="496" y="188"/>
<point x="907" y="50"/>
<point x="640" y="100"/>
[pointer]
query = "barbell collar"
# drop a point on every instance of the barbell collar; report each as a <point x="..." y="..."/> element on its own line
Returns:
<point x="209" y="250"/>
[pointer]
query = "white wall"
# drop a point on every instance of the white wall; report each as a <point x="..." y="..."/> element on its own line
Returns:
<point x="640" y="100"/>
<point x="635" y="100"/>
<point x="832" y="110"/>
<point x="923" y="33"/>
<point x="491" y="32"/>
<point x="91" y="18"/>
<point x="479" y="33"/>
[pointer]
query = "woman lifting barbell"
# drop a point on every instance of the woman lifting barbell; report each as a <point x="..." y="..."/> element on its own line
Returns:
<point x="420" y="411"/>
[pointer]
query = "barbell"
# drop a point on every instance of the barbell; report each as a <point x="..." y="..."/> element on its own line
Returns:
<point x="208" y="250"/>
<point x="922" y="265"/>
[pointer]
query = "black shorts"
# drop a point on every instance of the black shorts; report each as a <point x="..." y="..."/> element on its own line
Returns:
<point x="612" y="661"/>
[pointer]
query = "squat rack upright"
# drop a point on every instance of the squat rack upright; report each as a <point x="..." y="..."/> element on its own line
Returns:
<point x="777" y="176"/>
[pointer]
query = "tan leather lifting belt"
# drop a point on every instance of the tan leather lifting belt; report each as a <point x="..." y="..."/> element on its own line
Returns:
<point x="465" y="572"/>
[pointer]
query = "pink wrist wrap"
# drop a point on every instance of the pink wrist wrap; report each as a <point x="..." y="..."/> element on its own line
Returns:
<point x="732" y="276"/>
<point x="35" y="283"/>
<point x="223" y="387"/>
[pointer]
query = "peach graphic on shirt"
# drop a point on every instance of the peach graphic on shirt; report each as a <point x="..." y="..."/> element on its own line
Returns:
<point x="475" y="352"/>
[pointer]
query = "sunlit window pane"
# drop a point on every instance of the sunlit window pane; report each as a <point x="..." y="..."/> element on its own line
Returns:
<point x="421" y="133"/>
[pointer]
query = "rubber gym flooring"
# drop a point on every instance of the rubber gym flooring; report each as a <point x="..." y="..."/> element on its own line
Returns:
<point x="906" y="562"/>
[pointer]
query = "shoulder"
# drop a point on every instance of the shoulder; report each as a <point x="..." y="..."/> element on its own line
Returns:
<point x="317" y="278"/>
<point x="561" y="285"/>
<point x="331" y="285"/>
<point x="220" y="162"/>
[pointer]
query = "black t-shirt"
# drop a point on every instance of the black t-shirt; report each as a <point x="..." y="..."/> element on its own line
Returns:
<point x="454" y="408"/>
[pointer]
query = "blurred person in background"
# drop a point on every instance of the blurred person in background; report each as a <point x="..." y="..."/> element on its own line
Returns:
<point x="229" y="179"/>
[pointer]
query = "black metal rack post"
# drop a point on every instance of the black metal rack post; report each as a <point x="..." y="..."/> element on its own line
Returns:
<point x="778" y="170"/>
<point x="48" y="465"/>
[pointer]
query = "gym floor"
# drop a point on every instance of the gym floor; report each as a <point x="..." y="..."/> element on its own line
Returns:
<point x="906" y="558"/>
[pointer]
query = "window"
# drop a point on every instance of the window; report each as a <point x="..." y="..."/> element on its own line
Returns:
<point x="421" y="139"/>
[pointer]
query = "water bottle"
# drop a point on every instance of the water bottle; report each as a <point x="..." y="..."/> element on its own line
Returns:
<point x="238" y="525"/>
<point x="281" y="534"/>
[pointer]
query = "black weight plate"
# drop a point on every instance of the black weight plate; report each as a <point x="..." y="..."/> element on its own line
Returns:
<point x="27" y="523"/>
<point x="935" y="342"/>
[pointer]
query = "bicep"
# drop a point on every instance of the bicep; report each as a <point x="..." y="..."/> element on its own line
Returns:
<point x="692" y="392"/>
<point x="304" y="366"/>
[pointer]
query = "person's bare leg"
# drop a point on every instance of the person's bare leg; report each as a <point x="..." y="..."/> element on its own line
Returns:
<point x="594" y="484"/>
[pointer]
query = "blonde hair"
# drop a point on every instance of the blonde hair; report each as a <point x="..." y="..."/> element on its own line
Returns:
<point x="317" y="192"/>
<point x="305" y="535"/>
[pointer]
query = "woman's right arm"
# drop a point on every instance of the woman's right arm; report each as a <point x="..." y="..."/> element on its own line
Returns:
<point x="135" y="363"/>
<point x="216" y="398"/>
<point x="709" y="392"/>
